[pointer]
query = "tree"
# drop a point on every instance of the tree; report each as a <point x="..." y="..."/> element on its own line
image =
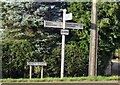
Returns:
<point x="24" y="35"/>
<point x="108" y="26"/>
<point x="25" y="31"/>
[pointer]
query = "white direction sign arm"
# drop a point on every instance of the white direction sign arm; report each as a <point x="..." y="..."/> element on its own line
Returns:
<point x="74" y="26"/>
<point x="68" y="16"/>
<point x="53" y="24"/>
<point x="68" y="25"/>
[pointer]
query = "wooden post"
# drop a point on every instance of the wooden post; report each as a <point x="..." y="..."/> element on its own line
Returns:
<point x="1" y="32"/>
<point x="93" y="41"/>
<point x="41" y="71"/>
<point x="30" y="71"/>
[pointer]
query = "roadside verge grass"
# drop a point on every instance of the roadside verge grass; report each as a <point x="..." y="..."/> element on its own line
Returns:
<point x="49" y="79"/>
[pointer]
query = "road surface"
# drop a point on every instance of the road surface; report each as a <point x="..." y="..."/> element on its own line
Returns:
<point x="67" y="83"/>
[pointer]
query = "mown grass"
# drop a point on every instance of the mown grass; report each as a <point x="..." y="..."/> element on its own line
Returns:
<point x="49" y="79"/>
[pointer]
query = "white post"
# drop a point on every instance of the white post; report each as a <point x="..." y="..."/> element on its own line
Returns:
<point x="41" y="72"/>
<point x="30" y="71"/>
<point x="63" y="46"/>
<point x="1" y="32"/>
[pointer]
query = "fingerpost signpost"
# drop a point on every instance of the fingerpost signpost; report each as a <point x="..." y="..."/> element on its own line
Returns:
<point x="64" y="32"/>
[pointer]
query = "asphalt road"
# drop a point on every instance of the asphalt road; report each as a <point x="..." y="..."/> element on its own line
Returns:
<point x="67" y="83"/>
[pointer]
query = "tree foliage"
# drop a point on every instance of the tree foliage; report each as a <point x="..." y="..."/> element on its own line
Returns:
<point x="108" y="29"/>
<point x="25" y="38"/>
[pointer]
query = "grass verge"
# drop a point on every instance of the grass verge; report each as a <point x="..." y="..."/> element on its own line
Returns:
<point x="49" y="79"/>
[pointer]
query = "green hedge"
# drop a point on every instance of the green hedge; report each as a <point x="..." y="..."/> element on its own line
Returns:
<point x="33" y="43"/>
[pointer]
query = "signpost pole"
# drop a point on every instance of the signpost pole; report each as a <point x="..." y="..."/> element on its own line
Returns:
<point x="64" y="32"/>
<point x="30" y="71"/>
<point x="63" y="46"/>
<point x="41" y="72"/>
<point x="1" y="32"/>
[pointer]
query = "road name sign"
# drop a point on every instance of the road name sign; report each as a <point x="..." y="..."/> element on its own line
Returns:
<point x="64" y="32"/>
<point x="73" y="25"/>
<point x="53" y="24"/>
<point x="37" y="63"/>
<point x="68" y="25"/>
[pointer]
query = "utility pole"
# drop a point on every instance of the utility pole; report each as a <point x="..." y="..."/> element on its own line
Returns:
<point x="93" y="41"/>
